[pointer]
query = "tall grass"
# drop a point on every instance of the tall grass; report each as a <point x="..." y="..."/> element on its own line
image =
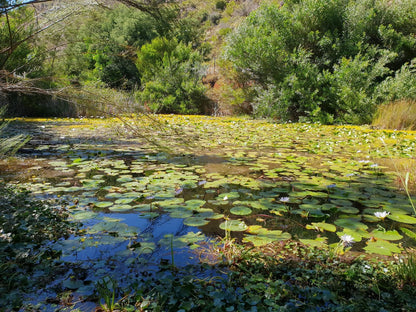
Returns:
<point x="400" y="115"/>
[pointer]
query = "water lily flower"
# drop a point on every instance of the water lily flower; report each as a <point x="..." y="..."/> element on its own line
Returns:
<point x="331" y="185"/>
<point x="347" y="240"/>
<point x="381" y="214"/>
<point x="284" y="199"/>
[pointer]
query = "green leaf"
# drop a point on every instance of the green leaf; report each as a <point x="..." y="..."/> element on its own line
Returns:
<point x="402" y="218"/>
<point x="321" y="226"/>
<point x="241" y="210"/>
<point x="386" y="235"/>
<point x="382" y="247"/>
<point x="233" y="225"/>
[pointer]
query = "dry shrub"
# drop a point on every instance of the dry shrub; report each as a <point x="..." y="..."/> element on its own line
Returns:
<point x="400" y="115"/>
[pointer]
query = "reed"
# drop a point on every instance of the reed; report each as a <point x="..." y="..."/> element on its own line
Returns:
<point x="400" y="115"/>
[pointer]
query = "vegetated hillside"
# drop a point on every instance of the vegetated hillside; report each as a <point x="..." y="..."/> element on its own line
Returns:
<point x="299" y="60"/>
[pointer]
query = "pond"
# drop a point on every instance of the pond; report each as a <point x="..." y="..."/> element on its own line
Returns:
<point x="152" y="190"/>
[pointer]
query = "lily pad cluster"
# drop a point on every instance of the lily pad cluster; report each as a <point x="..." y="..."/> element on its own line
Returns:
<point x="259" y="181"/>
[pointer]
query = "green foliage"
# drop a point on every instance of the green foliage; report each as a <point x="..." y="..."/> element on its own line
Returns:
<point x="220" y="5"/>
<point x="26" y="225"/>
<point x="19" y="53"/>
<point x="172" y="74"/>
<point x="105" y="46"/>
<point x="401" y="86"/>
<point x="321" y="60"/>
<point x="309" y="280"/>
<point x="406" y="269"/>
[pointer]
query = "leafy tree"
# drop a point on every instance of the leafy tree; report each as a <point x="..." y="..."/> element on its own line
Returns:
<point x="172" y="74"/>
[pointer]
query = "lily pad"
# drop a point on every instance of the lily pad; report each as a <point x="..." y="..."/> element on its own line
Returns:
<point x="241" y="210"/>
<point x="351" y="224"/>
<point x="233" y="226"/>
<point x="319" y="242"/>
<point x="321" y="226"/>
<point x="402" y="218"/>
<point x="382" y="247"/>
<point x="195" y="221"/>
<point x="103" y="204"/>
<point x="228" y="196"/>
<point x="120" y="208"/>
<point x="386" y="235"/>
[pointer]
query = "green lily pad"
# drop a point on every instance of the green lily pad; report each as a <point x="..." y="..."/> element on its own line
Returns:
<point x="386" y="235"/>
<point x="402" y="218"/>
<point x="143" y="247"/>
<point x="120" y="208"/>
<point x="228" y="196"/>
<point x="181" y="213"/>
<point x="350" y="210"/>
<point x="264" y="236"/>
<point x="124" y="200"/>
<point x="382" y="247"/>
<point x="233" y="225"/>
<point x="241" y="210"/>
<point x="84" y="215"/>
<point x="72" y="284"/>
<point x="195" y="221"/>
<point x="351" y="224"/>
<point x="103" y="204"/>
<point x="188" y="239"/>
<point x="408" y="232"/>
<point x="149" y="215"/>
<point x="319" y="242"/>
<point x="321" y="226"/>
<point x="195" y="203"/>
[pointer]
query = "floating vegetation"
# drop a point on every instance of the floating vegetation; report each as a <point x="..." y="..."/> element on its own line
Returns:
<point x="255" y="181"/>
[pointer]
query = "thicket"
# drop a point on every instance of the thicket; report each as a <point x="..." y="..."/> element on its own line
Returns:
<point x="324" y="61"/>
<point x="157" y="56"/>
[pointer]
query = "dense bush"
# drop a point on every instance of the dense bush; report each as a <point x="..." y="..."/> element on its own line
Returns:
<point x="105" y="47"/>
<point x="172" y="74"/>
<point x="322" y="60"/>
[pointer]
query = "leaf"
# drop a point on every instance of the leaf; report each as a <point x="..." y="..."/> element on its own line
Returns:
<point x="241" y="210"/>
<point x="233" y="225"/>
<point x="386" y="235"/>
<point x="402" y="218"/>
<point x="351" y="224"/>
<point x="103" y="204"/>
<point x="409" y="233"/>
<point x="322" y="226"/>
<point x="264" y="236"/>
<point x="382" y="247"/>
<point x="195" y="221"/>
<point x="319" y="242"/>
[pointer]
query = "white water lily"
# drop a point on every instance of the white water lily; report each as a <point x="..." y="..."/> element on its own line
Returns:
<point x="347" y="240"/>
<point x="284" y="199"/>
<point x="381" y="214"/>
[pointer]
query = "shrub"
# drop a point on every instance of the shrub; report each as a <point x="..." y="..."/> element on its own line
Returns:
<point x="220" y="5"/>
<point x="172" y="77"/>
<point x="322" y="60"/>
